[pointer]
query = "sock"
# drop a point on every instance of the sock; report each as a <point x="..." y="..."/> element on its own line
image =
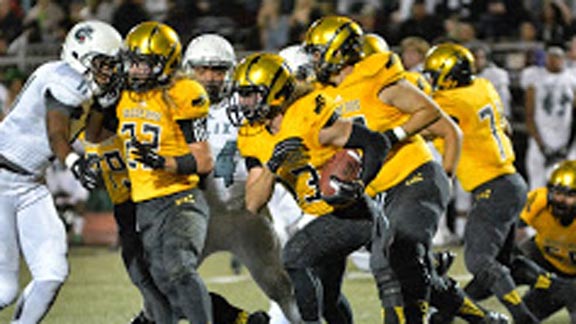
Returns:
<point x="35" y="301"/>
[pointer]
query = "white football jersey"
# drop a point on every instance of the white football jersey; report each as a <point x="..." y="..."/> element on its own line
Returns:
<point x="23" y="134"/>
<point x="225" y="185"/>
<point x="554" y="95"/>
<point x="501" y="81"/>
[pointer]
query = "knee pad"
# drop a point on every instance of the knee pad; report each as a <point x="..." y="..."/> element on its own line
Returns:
<point x="8" y="288"/>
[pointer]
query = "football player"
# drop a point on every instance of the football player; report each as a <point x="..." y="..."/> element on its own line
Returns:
<point x="551" y="211"/>
<point x="374" y="93"/>
<point x="287" y="133"/>
<point x="447" y="296"/>
<point x="486" y="169"/>
<point x="38" y="129"/>
<point x="210" y="59"/>
<point x="162" y="123"/>
<point x="550" y="102"/>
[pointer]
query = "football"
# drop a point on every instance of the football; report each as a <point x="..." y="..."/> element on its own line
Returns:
<point x="345" y="165"/>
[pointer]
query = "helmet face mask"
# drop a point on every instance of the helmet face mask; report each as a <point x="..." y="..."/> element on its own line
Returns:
<point x="211" y="58"/>
<point x="151" y="56"/>
<point x="333" y="43"/>
<point x="562" y="192"/>
<point x="87" y="46"/>
<point x="262" y="83"/>
<point x="448" y="66"/>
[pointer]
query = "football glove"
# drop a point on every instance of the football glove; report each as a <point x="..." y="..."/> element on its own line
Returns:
<point x="283" y="150"/>
<point x="346" y="193"/>
<point x="145" y="154"/>
<point x="86" y="172"/>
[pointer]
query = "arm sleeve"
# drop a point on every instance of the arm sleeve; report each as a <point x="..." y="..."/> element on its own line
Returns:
<point x="252" y="162"/>
<point x="194" y="130"/>
<point x="375" y="147"/>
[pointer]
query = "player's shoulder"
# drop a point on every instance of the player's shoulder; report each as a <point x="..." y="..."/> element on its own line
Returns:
<point x="418" y="80"/>
<point x="65" y="84"/>
<point x="190" y="96"/>
<point x="385" y="64"/>
<point x="536" y="201"/>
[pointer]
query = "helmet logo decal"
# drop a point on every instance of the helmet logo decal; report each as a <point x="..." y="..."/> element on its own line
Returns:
<point x="83" y="33"/>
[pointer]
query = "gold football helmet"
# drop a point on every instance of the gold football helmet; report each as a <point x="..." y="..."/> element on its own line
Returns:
<point x="448" y="66"/>
<point x="157" y="45"/>
<point x="374" y="43"/>
<point x="562" y="182"/>
<point x="262" y="83"/>
<point x="333" y="42"/>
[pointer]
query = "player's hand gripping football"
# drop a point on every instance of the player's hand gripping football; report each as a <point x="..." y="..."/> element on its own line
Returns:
<point x="283" y="150"/>
<point x="345" y="192"/>
<point x="145" y="154"/>
<point x="86" y="172"/>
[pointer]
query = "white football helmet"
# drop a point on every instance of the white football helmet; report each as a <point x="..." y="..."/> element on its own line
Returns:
<point x="298" y="61"/>
<point x="87" y="40"/>
<point x="209" y="50"/>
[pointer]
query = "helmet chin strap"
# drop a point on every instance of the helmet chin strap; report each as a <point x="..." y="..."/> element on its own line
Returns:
<point x="563" y="213"/>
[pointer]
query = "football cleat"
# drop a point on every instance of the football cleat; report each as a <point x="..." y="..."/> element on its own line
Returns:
<point x="259" y="317"/>
<point x="141" y="319"/>
<point x="495" y="318"/>
<point x="443" y="261"/>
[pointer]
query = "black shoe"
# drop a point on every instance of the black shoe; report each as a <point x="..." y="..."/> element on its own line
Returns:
<point x="141" y="319"/>
<point x="258" y="317"/>
<point x="443" y="261"/>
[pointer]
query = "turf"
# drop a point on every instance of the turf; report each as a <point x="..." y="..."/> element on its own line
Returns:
<point x="99" y="292"/>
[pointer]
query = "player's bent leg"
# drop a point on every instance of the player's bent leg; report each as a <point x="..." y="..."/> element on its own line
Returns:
<point x="43" y="243"/>
<point x="259" y="250"/>
<point x="183" y="243"/>
<point x="8" y="288"/>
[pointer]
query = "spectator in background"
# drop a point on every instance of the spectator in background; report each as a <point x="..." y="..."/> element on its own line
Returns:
<point x="10" y="22"/>
<point x="555" y="20"/>
<point x="47" y="15"/>
<point x="344" y="7"/>
<point x="528" y="32"/>
<point x="549" y="102"/>
<point x="98" y="9"/>
<point x="304" y="13"/>
<point x="413" y="51"/>
<point x="13" y="80"/>
<point x="128" y="14"/>
<point x="486" y="68"/>
<point x="273" y="26"/>
<point x="421" y="24"/>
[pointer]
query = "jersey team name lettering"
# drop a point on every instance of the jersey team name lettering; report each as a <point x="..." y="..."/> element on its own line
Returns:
<point x="142" y="113"/>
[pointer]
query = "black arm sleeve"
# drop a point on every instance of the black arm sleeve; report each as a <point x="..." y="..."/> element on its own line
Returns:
<point x="54" y="104"/>
<point x="252" y="162"/>
<point x="375" y="147"/>
<point x="195" y="130"/>
<point x="110" y="121"/>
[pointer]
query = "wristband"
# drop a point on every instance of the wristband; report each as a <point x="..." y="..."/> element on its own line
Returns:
<point x="400" y="133"/>
<point x="70" y="159"/>
<point x="186" y="164"/>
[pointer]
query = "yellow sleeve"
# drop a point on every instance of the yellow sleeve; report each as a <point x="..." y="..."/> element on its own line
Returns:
<point x="387" y="68"/>
<point x="190" y="100"/>
<point x="537" y="200"/>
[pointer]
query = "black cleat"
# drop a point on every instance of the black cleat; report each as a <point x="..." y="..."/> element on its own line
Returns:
<point x="258" y="317"/>
<point x="141" y="319"/>
<point x="443" y="261"/>
<point x="495" y="318"/>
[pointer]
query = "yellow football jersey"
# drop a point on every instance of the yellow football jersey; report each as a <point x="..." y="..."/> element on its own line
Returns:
<point x="486" y="150"/>
<point x="359" y="95"/>
<point x="152" y="118"/>
<point x="304" y="119"/>
<point x="557" y="243"/>
<point x="112" y="164"/>
<point x="417" y="79"/>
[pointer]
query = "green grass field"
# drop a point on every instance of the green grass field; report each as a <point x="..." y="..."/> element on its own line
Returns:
<point x="99" y="292"/>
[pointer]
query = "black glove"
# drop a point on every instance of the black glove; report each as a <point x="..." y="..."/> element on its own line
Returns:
<point x="283" y="150"/>
<point x="145" y="154"/>
<point x="346" y="193"/>
<point x="86" y="172"/>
